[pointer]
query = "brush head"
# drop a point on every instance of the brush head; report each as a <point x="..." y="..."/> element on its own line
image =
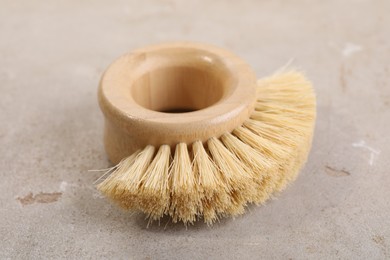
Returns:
<point x="219" y="174"/>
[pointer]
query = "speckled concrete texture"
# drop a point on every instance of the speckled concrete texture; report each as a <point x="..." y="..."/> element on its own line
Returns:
<point x="52" y="54"/>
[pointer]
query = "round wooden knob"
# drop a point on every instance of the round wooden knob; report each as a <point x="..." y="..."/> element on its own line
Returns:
<point x="173" y="93"/>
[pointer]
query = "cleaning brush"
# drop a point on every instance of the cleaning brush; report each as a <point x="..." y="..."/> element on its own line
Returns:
<point x="195" y="136"/>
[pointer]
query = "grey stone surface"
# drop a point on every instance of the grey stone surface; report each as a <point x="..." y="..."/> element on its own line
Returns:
<point x="52" y="54"/>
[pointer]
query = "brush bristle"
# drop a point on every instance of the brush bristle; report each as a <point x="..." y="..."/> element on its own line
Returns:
<point x="183" y="186"/>
<point x="114" y="181"/>
<point x="236" y="175"/>
<point x="213" y="190"/>
<point x="260" y="167"/>
<point x="221" y="177"/>
<point x="153" y="191"/>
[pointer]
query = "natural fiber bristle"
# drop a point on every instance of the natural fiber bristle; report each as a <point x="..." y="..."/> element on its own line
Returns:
<point x="221" y="177"/>
<point x="235" y="174"/>
<point x="267" y="147"/>
<point x="110" y="186"/>
<point x="273" y="133"/>
<point x="130" y="182"/>
<point x="183" y="186"/>
<point x="259" y="166"/>
<point x="154" y="189"/>
<point x="213" y="190"/>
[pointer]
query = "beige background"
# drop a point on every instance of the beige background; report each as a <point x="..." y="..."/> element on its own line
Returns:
<point x="52" y="54"/>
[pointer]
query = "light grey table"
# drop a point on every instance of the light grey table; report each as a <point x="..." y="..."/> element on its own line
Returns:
<point x="52" y="54"/>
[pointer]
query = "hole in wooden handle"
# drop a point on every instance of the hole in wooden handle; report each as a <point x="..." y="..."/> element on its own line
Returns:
<point x="172" y="93"/>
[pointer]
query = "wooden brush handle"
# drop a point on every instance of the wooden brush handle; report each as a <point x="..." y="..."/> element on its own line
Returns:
<point x="172" y="93"/>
